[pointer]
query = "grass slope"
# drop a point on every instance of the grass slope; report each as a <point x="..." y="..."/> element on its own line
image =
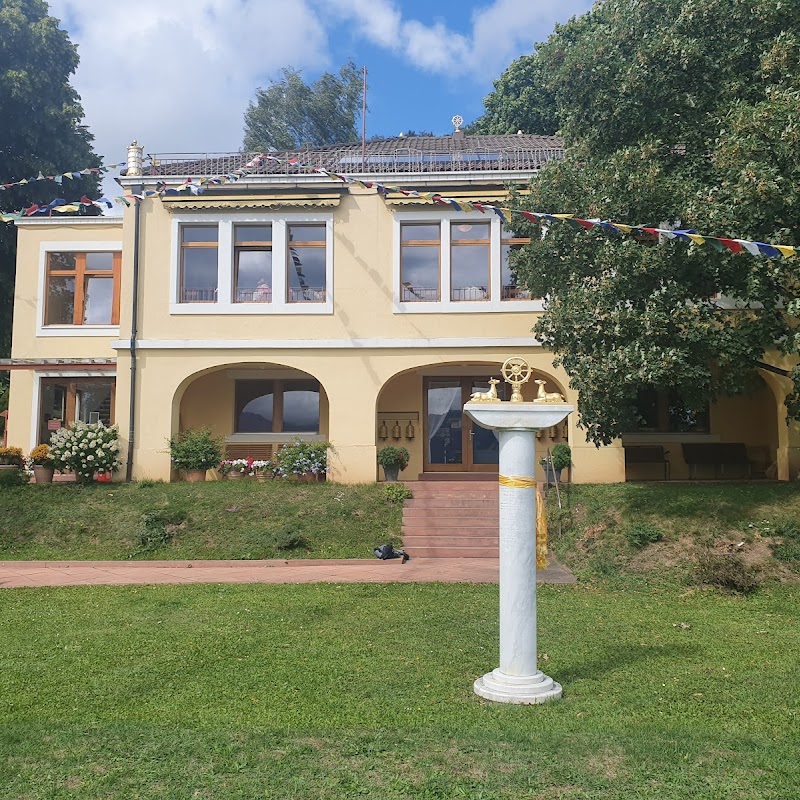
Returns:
<point x="329" y="691"/>
<point x="215" y="520"/>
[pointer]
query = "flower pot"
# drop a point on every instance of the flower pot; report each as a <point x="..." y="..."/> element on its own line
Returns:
<point x="194" y="475"/>
<point x="9" y="466"/>
<point x="551" y="474"/>
<point x="391" y="473"/>
<point x="235" y="476"/>
<point x="43" y="473"/>
<point x="263" y="477"/>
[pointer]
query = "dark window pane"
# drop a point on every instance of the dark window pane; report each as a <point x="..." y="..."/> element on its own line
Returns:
<point x="306" y="233"/>
<point x="98" y="298"/>
<point x="253" y="276"/>
<point x="444" y="422"/>
<point x="647" y="408"/>
<point x="199" y="233"/>
<point x="469" y="272"/>
<point x="252" y="233"/>
<point x="419" y="233"/>
<point x="93" y="402"/>
<point x="511" y="288"/>
<point x="199" y="275"/>
<point x="683" y="419"/>
<point x="301" y="406"/>
<point x="100" y="261"/>
<point x="53" y="410"/>
<point x="306" y="274"/>
<point x="62" y="261"/>
<point x="255" y="403"/>
<point x="469" y="231"/>
<point x="420" y="273"/>
<point x="60" y="300"/>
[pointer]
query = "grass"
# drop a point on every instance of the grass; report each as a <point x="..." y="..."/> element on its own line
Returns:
<point x="215" y="520"/>
<point x="657" y="531"/>
<point x="330" y="691"/>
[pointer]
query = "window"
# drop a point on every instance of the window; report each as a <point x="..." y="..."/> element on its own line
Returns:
<point x="305" y="281"/>
<point x="420" y="262"/>
<point x="275" y="406"/>
<point x="69" y="400"/>
<point x="252" y="263"/>
<point x="470" y="277"/>
<point x="666" y="412"/>
<point x="199" y="250"/>
<point x="510" y="289"/>
<point x="82" y="288"/>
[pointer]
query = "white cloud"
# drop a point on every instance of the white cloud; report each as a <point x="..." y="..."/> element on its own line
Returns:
<point x="178" y="74"/>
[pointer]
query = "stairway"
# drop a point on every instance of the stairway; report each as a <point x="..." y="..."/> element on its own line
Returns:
<point x="452" y="519"/>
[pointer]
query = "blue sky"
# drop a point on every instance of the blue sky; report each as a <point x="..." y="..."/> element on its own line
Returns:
<point x="177" y="74"/>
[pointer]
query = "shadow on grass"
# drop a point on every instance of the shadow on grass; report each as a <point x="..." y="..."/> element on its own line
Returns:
<point x="622" y="657"/>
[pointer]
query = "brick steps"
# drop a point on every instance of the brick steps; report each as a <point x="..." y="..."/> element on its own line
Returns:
<point x="452" y="519"/>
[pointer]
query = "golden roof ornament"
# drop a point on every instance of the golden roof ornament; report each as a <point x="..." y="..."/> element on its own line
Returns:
<point x="547" y="397"/>
<point x="516" y="371"/>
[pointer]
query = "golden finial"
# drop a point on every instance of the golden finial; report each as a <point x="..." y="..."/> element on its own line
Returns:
<point x="516" y="372"/>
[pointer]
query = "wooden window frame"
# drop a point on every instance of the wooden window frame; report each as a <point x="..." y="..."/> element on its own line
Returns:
<point x="278" y="387"/>
<point x="511" y="241"/>
<point x="487" y="242"/>
<point x="250" y="247"/>
<point x="80" y="274"/>
<point x="191" y="245"/>
<point x="421" y="243"/>
<point x="291" y="244"/>
<point x="70" y="403"/>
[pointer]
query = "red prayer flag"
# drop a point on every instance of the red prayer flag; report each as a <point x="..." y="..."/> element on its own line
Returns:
<point x="731" y="244"/>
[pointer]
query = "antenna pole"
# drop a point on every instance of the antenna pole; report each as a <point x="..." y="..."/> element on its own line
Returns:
<point x="364" y="123"/>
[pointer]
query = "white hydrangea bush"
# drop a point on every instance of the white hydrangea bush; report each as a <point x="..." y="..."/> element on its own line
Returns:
<point x="86" y="449"/>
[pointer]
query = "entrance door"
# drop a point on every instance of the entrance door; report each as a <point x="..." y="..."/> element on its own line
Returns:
<point x="452" y="442"/>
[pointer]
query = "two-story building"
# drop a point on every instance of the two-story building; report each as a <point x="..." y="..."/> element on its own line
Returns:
<point x="283" y="303"/>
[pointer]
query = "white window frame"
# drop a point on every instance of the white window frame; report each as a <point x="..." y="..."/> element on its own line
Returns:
<point x="45" y="248"/>
<point x="445" y="218"/>
<point x="225" y="258"/>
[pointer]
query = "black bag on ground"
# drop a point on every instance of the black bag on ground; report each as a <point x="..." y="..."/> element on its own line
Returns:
<point x="386" y="551"/>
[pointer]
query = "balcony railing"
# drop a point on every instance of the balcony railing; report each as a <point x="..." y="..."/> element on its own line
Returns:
<point x="261" y="294"/>
<point x="308" y="294"/>
<point x="470" y="293"/>
<point x="420" y="294"/>
<point x="189" y="295"/>
<point x="516" y="293"/>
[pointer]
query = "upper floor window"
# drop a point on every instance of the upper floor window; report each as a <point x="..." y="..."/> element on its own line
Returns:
<point x="458" y="259"/>
<point x="199" y="248"/>
<point x="420" y="262"/>
<point x="252" y="263"/>
<point x="510" y="288"/>
<point x="305" y="265"/>
<point x="82" y="288"/>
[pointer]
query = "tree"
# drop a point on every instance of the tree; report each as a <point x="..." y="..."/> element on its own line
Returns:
<point x="290" y="114"/>
<point x="675" y="113"/>
<point x="521" y="101"/>
<point x="41" y="130"/>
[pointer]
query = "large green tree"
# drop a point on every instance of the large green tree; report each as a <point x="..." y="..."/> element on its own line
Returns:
<point x="41" y="128"/>
<point x="290" y="113"/>
<point x="675" y="113"/>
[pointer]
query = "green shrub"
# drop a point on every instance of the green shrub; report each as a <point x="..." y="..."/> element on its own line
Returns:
<point x="195" y="448"/>
<point x="11" y="478"/>
<point x="639" y="534"/>
<point x="561" y="456"/>
<point x="727" y="571"/>
<point x="391" y="456"/>
<point x="396" y="493"/>
<point x="86" y="449"/>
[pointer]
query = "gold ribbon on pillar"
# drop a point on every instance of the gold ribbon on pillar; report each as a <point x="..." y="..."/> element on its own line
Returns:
<point x="524" y="482"/>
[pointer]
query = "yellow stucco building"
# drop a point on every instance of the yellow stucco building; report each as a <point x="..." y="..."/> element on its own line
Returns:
<point x="285" y="303"/>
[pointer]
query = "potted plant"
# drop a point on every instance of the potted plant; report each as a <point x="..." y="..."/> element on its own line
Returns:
<point x="306" y="462"/>
<point x="87" y="449"/>
<point x="263" y="470"/>
<point x="11" y="458"/>
<point x="393" y="460"/>
<point x="560" y="458"/>
<point x="194" y="451"/>
<point x="43" y="464"/>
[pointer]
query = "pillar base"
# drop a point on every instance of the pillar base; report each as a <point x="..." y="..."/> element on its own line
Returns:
<point x="526" y="690"/>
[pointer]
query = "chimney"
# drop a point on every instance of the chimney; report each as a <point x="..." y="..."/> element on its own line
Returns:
<point x="135" y="158"/>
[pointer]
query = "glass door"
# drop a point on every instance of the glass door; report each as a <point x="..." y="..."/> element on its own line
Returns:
<point x="452" y="442"/>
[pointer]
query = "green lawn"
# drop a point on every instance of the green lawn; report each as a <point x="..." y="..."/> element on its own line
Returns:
<point x="326" y="691"/>
<point x="215" y="520"/>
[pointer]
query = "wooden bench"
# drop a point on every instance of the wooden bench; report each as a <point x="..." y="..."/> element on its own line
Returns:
<point x="647" y="454"/>
<point x="719" y="455"/>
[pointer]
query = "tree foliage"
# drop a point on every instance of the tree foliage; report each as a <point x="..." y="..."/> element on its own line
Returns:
<point x="290" y="113"/>
<point x="41" y="125"/>
<point x="676" y="113"/>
